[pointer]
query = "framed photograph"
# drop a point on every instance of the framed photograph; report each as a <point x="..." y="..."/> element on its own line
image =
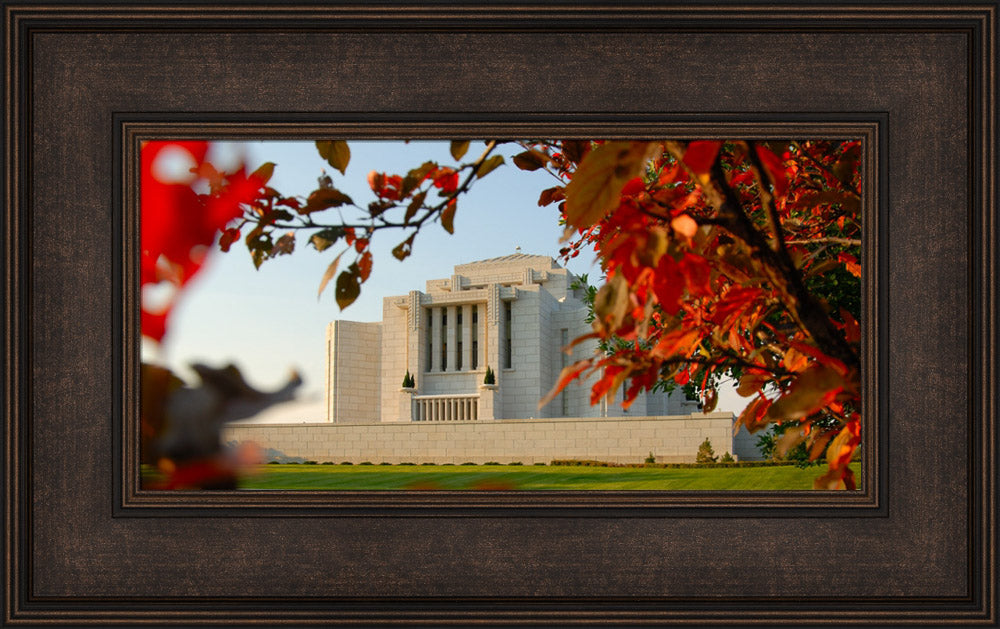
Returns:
<point x="87" y="542"/>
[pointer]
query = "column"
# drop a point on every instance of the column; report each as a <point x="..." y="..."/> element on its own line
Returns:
<point x="435" y="315"/>
<point x="451" y="338"/>
<point x="483" y="336"/>
<point x="466" y="337"/>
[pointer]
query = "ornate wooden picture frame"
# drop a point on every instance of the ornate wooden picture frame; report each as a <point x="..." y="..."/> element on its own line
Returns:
<point x="84" y="544"/>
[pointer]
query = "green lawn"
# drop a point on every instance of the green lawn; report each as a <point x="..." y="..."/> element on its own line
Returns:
<point x="527" y="477"/>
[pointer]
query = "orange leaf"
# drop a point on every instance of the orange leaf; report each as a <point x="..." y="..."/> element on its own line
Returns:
<point x="685" y="226"/>
<point x="596" y="186"/>
<point x="567" y="375"/>
<point x="814" y="389"/>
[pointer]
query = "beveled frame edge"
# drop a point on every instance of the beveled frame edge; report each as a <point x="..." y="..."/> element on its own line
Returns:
<point x="870" y="128"/>
<point x="978" y="18"/>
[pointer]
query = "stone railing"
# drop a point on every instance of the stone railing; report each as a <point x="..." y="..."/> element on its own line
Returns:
<point x="445" y="408"/>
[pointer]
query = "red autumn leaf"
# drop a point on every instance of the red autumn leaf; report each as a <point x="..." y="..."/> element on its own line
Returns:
<point x="633" y="187"/>
<point x="700" y="155"/>
<point x="774" y="168"/>
<point x="228" y="238"/>
<point x="697" y="274"/>
<point x="365" y="266"/>
<point x="447" y="180"/>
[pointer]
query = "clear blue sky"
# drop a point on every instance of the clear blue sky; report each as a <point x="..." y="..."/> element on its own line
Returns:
<point x="269" y="321"/>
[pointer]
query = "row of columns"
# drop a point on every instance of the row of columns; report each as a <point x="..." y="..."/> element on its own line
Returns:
<point x="446" y="409"/>
<point x="450" y="334"/>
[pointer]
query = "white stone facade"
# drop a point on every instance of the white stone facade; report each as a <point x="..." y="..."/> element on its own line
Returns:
<point x="513" y="314"/>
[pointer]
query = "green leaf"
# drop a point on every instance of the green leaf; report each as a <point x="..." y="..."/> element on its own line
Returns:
<point x="324" y="239"/>
<point x="264" y="172"/>
<point x="330" y="271"/>
<point x="348" y="286"/>
<point x="489" y="165"/>
<point x="458" y="148"/>
<point x="336" y="153"/>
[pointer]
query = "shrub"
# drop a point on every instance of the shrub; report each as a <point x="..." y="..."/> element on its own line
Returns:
<point x="727" y="458"/>
<point x="365" y="463"/>
<point x="705" y="452"/>
<point x="406" y="463"/>
<point x="540" y="463"/>
<point x="346" y="463"/>
<point x="514" y="463"/>
<point x="310" y="463"/>
<point x="650" y="459"/>
<point x="385" y="463"/>
<point x="427" y="464"/>
<point x="327" y="463"/>
<point x="468" y="463"/>
<point x="490" y="377"/>
<point x="408" y="381"/>
<point x="491" y="463"/>
<point x="272" y="462"/>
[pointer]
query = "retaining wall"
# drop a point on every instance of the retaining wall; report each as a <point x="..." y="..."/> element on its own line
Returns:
<point x="618" y="440"/>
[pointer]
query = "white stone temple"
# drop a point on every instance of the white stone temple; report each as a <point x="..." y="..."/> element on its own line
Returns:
<point x="513" y="314"/>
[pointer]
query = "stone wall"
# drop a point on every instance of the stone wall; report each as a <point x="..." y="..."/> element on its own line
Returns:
<point x="618" y="440"/>
<point x="354" y="372"/>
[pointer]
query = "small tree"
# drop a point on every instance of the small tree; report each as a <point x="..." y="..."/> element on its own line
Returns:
<point x="727" y="458"/>
<point x="408" y="381"/>
<point x="705" y="452"/>
<point x="490" y="377"/>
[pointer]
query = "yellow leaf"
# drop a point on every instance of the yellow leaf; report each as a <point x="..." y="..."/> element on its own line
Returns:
<point x="448" y="217"/>
<point x="336" y="152"/>
<point x="264" y="172"/>
<point x="458" y="148"/>
<point x="788" y="440"/>
<point x="328" y="275"/>
<point x="597" y="184"/>
<point x="611" y="303"/>
<point x="488" y="166"/>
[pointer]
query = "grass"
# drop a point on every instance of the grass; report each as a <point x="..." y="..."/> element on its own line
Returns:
<point x="530" y="477"/>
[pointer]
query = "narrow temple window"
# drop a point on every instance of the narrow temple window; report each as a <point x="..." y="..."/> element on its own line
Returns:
<point x="475" y="337"/>
<point x="444" y="339"/>
<point x="430" y="339"/>
<point x="508" y="357"/>
<point x="458" y="340"/>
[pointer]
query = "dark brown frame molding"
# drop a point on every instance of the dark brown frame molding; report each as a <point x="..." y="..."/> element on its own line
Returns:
<point x="84" y="83"/>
